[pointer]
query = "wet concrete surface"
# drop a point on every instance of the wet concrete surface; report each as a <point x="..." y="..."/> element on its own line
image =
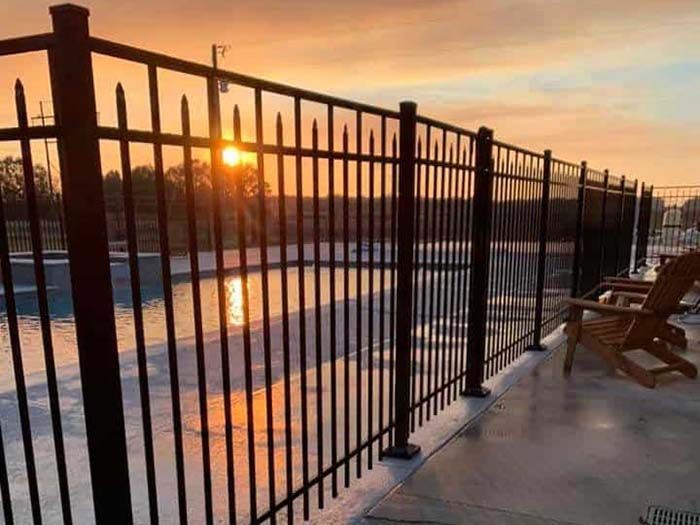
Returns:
<point x="595" y="448"/>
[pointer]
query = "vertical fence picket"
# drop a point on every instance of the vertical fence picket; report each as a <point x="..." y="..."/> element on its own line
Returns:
<point x="318" y="322"/>
<point x="346" y="308"/>
<point x="265" y="281"/>
<point x="432" y="313"/>
<point x="392" y="286"/>
<point x="370" y="304"/>
<point x="5" y="495"/>
<point x="332" y="295"/>
<point x="358" y="294"/>
<point x="197" y="314"/>
<point x="302" y="308"/>
<point x="382" y="282"/>
<point x="137" y="300"/>
<point x="578" y="240"/>
<point x="284" y="278"/>
<point x="215" y="153"/>
<point x="166" y="273"/>
<point x="417" y="379"/>
<point x="241" y="206"/>
<point x="427" y="272"/>
<point x="20" y="385"/>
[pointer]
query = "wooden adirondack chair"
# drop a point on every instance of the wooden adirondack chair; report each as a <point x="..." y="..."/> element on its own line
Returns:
<point x="621" y="329"/>
<point x="625" y="291"/>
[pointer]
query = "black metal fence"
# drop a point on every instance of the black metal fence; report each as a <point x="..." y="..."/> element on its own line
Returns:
<point x="669" y="222"/>
<point x="379" y="264"/>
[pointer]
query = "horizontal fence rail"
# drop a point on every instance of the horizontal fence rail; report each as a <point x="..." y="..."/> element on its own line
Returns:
<point x="248" y="322"/>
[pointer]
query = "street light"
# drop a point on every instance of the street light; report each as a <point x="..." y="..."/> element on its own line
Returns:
<point x="216" y="50"/>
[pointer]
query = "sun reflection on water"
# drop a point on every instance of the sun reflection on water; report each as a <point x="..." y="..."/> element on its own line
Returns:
<point x="234" y="301"/>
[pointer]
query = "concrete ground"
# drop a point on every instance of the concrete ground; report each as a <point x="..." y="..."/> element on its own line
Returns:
<point x="592" y="449"/>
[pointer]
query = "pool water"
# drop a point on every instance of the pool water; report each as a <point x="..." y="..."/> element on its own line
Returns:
<point x="63" y="328"/>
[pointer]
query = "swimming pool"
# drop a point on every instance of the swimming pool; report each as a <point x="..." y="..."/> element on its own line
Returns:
<point x="63" y="327"/>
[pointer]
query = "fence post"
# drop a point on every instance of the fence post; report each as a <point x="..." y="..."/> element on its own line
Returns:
<point x="73" y="93"/>
<point x="632" y="239"/>
<point x="601" y="254"/>
<point x="647" y="222"/>
<point x="405" y="237"/>
<point x="477" y="315"/>
<point x="536" y="344"/>
<point x="578" y="246"/>
<point x="620" y="217"/>
<point x="639" y="221"/>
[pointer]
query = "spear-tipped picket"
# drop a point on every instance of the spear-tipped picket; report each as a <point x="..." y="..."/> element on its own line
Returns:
<point x="21" y="390"/>
<point x="282" y="216"/>
<point x="42" y="299"/>
<point x="136" y="300"/>
<point x="122" y="122"/>
<point x="197" y="311"/>
<point x="280" y="134"/>
<point x="20" y="104"/>
<point x="185" y="116"/>
<point x="317" y="312"/>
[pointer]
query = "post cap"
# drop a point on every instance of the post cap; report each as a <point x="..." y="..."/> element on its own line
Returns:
<point x="408" y="105"/>
<point x="486" y="132"/>
<point x="69" y="8"/>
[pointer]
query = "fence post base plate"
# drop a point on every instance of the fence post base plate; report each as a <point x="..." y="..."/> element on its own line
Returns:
<point x="406" y="451"/>
<point x="476" y="391"/>
<point x="535" y="347"/>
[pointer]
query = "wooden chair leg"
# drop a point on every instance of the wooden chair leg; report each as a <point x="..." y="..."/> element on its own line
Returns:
<point x="640" y="374"/>
<point x="570" y="350"/>
<point x="573" y="330"/>
<point x="660" y="350"/>
<point x="674" y="335"/>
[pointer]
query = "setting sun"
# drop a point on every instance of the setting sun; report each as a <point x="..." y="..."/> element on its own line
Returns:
<point x="231" y="156"/>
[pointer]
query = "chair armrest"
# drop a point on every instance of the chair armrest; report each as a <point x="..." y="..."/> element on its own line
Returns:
<point x="606" y="309"/>
<point x="633" y="296"/>
<point x="625" y="287"/>
<point x="627" y="280"/>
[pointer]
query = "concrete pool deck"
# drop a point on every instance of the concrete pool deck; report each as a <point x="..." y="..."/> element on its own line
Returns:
<point x="594" y="448"/>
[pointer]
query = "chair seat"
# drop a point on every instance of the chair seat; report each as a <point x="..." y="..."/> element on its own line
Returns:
<point x="609" y="330"/>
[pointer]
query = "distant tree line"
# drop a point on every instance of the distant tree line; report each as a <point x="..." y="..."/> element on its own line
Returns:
<point x="511" y="218"/>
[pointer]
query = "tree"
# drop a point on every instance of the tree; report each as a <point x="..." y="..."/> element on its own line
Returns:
<point x="247" y="175"/>
<point x="12" y="178"/>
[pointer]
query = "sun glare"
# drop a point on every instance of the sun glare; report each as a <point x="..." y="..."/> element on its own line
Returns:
<point x="231" y="156"/>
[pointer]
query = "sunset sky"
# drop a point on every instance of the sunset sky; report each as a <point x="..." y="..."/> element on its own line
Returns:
<point x="614" y="82"/>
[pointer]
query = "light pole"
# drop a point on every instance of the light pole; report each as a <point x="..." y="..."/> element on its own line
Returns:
<point x="216" y="50"/>
<point x="42" y="117"/>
